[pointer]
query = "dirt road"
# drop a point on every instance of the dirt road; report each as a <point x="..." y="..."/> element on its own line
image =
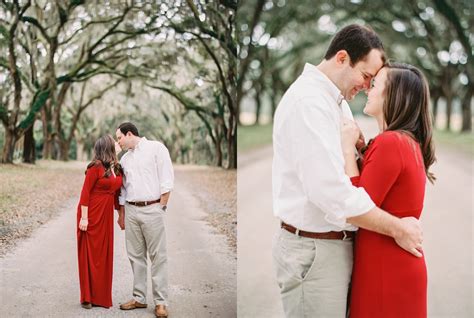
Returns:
<point x="39" y="278"/>
<point x="447" y="221"/>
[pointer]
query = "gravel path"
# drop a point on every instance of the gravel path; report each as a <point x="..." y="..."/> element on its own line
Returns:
<point x="39" y="276"/>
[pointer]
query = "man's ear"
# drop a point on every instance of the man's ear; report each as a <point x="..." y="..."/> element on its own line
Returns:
<point x="342" y="57"/>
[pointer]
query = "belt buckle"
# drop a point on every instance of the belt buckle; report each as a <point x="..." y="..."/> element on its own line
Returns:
<point x="346" y="237"/>
<point x="145" y="203"/>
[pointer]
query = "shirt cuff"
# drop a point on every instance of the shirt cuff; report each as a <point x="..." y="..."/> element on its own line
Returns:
<point x="357" y="204"/>
<point x="165" y="188"/>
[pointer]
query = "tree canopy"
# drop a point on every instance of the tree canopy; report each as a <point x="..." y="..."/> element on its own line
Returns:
<point x="277" y="37"/>
<point x="72" y="70"/>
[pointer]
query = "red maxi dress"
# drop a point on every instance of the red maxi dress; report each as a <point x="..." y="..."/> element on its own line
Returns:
<point x="96" y="245"/>
<point x="387" y="281"/>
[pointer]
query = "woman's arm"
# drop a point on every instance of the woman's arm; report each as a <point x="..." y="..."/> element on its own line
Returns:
<point x="84" y="222"/>
<point x="89" y="182"/>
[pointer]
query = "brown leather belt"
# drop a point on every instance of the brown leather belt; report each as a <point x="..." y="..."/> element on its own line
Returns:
<point x="343" y="235"/>
<point x="143" y="203"/>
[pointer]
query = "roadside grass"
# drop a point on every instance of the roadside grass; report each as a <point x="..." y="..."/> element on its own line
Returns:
<point x="31" y="194"/>
<point x="463" y="142"/>
<point x="254" y="136"/>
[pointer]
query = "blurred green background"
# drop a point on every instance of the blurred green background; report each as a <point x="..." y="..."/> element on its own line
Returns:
<point x="278" y="37"/>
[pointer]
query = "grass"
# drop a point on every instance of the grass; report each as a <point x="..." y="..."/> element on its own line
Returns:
<point x="463" y="142"/>
<point x="33" y="193"/>
<point x="254" y="136"/>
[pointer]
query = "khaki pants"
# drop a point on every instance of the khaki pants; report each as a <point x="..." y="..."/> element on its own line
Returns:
<point x="313" y="275"/>
<point x="145" y="232"/>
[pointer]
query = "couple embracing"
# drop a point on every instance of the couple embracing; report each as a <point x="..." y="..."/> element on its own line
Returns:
<point x="327" y="184"/>
<point x="139" y="189"/>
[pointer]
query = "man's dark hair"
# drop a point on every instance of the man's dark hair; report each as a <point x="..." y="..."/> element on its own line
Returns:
<point x="357" y="40"/>
<point x="126" y="127"/>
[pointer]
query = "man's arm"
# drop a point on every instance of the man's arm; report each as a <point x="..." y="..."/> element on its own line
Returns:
<point x="164" y="198"/>
<point x="121" y="217"/>
<point x="406" y="231"/>
<point x="327" y="186"/>
<point x="165" y="174"/>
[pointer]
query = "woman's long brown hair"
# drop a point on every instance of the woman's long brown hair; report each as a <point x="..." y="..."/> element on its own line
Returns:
<point x="406" y="108"/>
<point x="104" y="152"/>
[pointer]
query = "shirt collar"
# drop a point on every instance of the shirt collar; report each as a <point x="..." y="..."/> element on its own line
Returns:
<point x="313" y="72"/>
<point x="140" y="144"/>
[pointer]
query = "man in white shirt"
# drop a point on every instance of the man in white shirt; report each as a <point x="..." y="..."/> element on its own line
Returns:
<point x="144" y="195"/>
<point x="318" y="207"/>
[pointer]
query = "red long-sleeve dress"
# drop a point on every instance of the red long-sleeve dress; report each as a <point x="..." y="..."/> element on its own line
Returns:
<point x="96" y="245"/>
<point x="387" y="281"/>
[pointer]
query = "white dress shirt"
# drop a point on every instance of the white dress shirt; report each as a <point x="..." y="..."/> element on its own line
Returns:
<point x="310" y="188"/>
<point x="148" y="172"/>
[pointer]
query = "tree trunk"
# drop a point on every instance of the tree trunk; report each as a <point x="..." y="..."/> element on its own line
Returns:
<point x="274" y="94"/>
<point x="232" y="149"/>
<point x="218" y="145"/>
<point x="47" y="136"/>
<point x="81" y="156"/>
<point x="64" y="148"/>
<point x="59" y="139"/>
<point x="449" y="108"/>
<point x="466" y="111"/>
<point x="29" y="152"/>
<point x="9" y="146"/>
<point x="258" y="106"/>
<point x="435" y="109"/>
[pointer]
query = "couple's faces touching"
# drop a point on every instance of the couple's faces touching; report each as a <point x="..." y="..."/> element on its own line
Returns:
<point x="358" y="77"/>
<point x="124" y="141"/>
<point x="376" y="95"/>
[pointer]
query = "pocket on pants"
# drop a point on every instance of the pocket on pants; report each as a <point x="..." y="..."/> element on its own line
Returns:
<point x="294" y="255"/>
<point x="307" y="259"/>
<point x="153" y="209"/>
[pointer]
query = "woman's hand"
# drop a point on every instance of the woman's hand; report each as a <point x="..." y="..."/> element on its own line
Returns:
<point x="83" y="223"/>
<point x="350" y="135"/>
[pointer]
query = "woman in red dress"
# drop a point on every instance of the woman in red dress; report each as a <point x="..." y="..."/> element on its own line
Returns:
<point x="95" y="230"/>
<point x="387" y="281"/>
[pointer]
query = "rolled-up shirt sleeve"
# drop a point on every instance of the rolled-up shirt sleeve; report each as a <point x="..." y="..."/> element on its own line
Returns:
<point x="123" y="191"/>
<point x="319" y="164"/>
<point x="165" y="169"/>
<point x="121" y="198"/>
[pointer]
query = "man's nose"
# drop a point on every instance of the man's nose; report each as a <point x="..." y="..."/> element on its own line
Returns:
<point x="367" y="84"/>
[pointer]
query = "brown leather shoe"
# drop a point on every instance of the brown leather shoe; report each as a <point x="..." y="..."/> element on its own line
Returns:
<point x="86" y="305"/>
<point x="132" y="304"/>
<point x="160" y="311"/>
